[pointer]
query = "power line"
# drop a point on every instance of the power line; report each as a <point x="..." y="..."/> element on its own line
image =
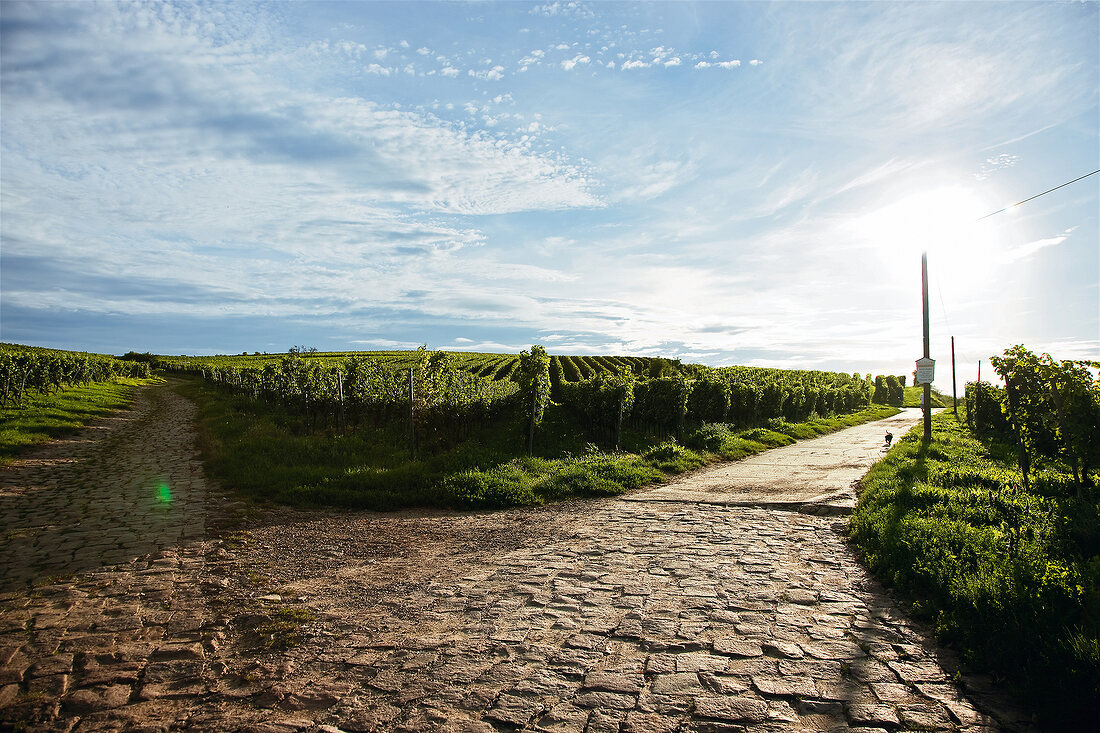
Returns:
<point x="1044" y="193"/>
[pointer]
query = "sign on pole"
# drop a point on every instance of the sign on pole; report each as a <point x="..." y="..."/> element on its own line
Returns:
<point x="926" y="370"/>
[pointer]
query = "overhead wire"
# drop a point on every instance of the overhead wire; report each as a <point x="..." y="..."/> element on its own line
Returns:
<point x="939" y="290"/>
<point x="1044" y="193"/>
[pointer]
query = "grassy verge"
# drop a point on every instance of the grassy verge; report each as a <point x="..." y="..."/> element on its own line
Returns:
<point x="45" y="417"/>
<point x="269" y="455"/>
<point x="1009" y="578"/>
<point x="913" y="396"/>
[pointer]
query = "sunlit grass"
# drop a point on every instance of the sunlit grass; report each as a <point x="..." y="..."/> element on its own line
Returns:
<point x="45" y="417"/>
<point x="1010" y="577"/>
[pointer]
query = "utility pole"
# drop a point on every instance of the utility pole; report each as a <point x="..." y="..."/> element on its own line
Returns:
<point x="927" y="355"/>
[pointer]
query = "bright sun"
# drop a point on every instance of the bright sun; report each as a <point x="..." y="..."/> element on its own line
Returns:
<point x="942" y="221"/>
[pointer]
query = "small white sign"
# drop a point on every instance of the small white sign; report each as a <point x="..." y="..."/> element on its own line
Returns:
<point x="926" y="371"/>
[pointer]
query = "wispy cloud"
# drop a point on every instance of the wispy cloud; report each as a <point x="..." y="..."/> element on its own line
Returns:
<point x="1030" y="248"/>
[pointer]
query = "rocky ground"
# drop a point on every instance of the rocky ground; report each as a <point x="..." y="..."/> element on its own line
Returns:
<point x="135" y="596"/>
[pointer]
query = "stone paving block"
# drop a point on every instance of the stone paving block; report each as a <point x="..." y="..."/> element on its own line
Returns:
<point x="91" y="699"/>
<point x="605" y="721"/>
<point x="604" y="701"/>
<point x="872" y="715"/>
<point x="639" y="722"/>
<point x="682" y="683"/>
<point x="784" y="649"/>
<point x="8" y="693"/>
<point x="51" y="665"/>
<point x="614" y="682"/>
<point x="514" y="710"/>
<point x="785" y="686"/>
<point x="52" y="686"/>
<point x="725" y="684"/>
<point x="732" y="709"/>
<point x="737" y="646"/>
<point x="928" y="717"/>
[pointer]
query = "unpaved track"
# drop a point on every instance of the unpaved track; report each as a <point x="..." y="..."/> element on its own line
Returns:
<point x="609" y="615"/>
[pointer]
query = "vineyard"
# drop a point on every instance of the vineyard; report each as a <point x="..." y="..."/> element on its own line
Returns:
<point x="25" y="369"/>
<point x="443" y="398"/>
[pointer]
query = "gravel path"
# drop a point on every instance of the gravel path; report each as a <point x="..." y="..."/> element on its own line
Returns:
<point x="626" y="614"/>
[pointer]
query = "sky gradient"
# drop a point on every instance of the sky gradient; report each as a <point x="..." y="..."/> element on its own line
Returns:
<point x="725" y="183"/>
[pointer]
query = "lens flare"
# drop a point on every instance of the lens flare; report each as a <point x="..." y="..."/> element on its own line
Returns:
<point x="164" y="494"/>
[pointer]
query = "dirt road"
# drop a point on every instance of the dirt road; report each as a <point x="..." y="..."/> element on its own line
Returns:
<point x="641" y="613"/>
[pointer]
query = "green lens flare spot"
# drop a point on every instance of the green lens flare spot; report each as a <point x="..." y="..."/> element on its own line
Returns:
<point x="164" y="494"/>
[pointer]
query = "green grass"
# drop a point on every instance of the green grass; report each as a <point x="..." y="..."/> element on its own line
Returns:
<point x="272" y="456"/>
<point x="46" y="417"/>
<point x="1010" y="578"/>
<point x="913" y="396"/>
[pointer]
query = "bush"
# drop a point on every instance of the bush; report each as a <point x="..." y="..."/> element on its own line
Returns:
<point x="672" y="457"/>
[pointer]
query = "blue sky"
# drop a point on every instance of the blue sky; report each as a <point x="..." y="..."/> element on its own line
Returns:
<point x="725" y="183"/>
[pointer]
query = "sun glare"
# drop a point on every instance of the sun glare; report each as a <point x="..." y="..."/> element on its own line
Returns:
<point x="943" y="221"/>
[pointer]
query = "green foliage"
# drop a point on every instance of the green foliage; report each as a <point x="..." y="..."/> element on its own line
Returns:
<point x="662" y="402"/>
<point x="709" y="400"/>
<point x="281" y="629"/>
<point x="1053" y="411"/>
<point x="44" y="417"/>
<point x="26" y="370"/>
<point x="601" y="400"/>
<point x="533" y="376"/>
<point x="1009" y="576"/>
<point x="985" y="410"/>
<point x="671" y="457"/>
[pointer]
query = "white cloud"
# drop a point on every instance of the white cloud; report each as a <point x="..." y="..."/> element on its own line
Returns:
<point x="674" y="61"/>
<point x="1030" y="248"/>
<point x="755" y="62"/>
<point x="702" y="65"/>
<point x="379" y="70"/>
<point x="995" y="163"/>
<point x="626" y="65"/>
<point x="494" y="74"/>
<point x="728" y="64"/>
<point x="449" y="71"/>
<point x="575" y="9"/>
<point x="568" y="64"/>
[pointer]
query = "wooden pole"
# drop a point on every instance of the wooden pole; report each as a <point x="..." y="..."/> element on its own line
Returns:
<point x="412" y="416"/>
<point x="534" y="407"/>
<point x="340" y="389"/>
<point x="927" y="387"/>
<point x="619" y="423"/>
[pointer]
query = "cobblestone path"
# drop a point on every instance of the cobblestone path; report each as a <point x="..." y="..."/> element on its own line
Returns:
<point x="604" y="615"/>
<point x="130" y="485"/>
